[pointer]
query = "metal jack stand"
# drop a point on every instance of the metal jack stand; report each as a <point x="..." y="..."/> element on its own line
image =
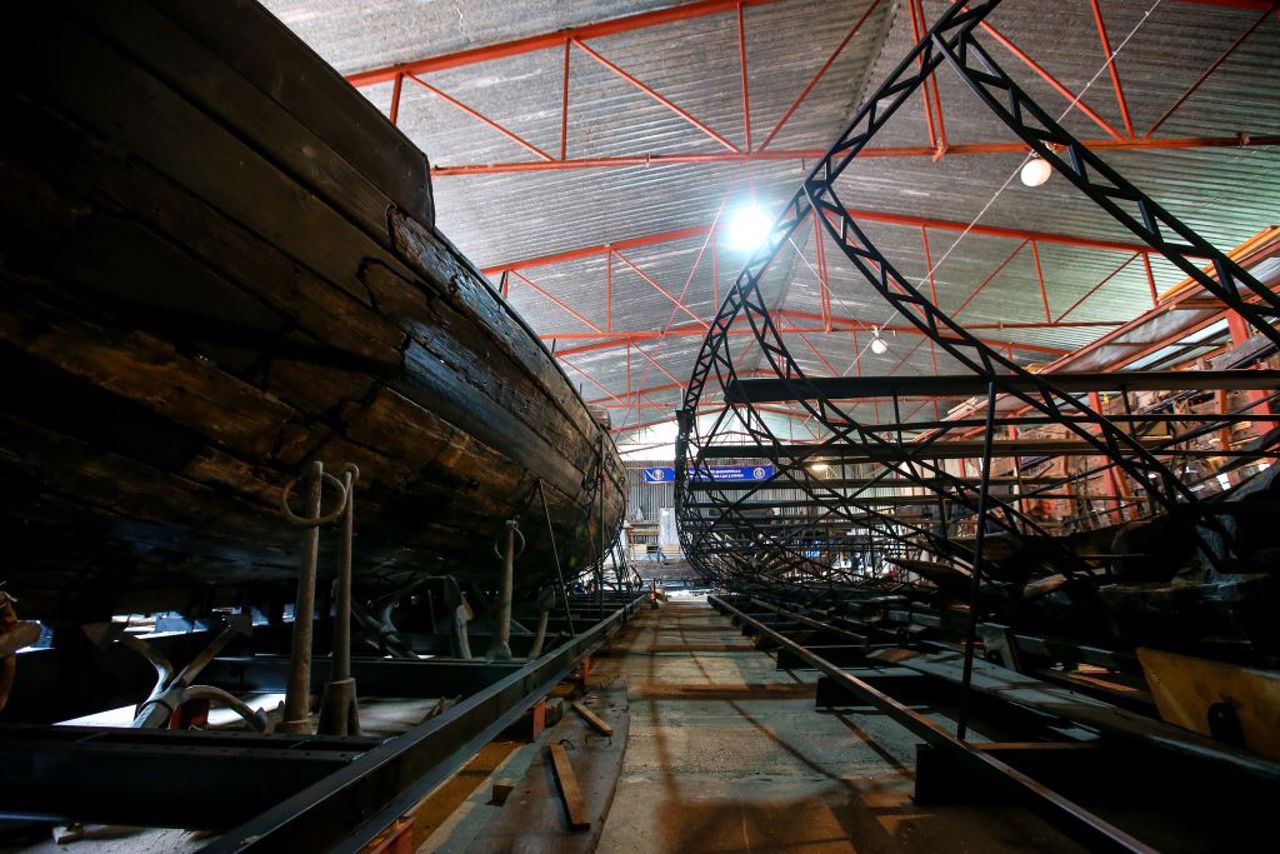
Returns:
<point x="339" y="711"/>
<point x="545" y="602"/>
<point x="297" y="702"/>
<point x="501" y="648"/>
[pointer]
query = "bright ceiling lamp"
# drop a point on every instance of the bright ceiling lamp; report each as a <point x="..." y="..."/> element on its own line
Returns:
<point x="748" y="228"/>
<point x="1036" y="171"/>
<point x="879" y="346"/>
<point x="818" y="468"/>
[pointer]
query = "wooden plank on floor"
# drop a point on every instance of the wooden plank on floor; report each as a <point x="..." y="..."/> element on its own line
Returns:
<point x="574" y="805"/>
<point x="531" y="820"/>
<point x="592" y="718"/>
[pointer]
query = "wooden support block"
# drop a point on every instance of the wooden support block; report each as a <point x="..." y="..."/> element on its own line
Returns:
<point x="530" y="725"/>
<point x="539" y="716"/>
<point x="574" y="805"/>
<point x="592" y="718"/>
<point x="397" y="839"/>
<point x="501" y="791"/>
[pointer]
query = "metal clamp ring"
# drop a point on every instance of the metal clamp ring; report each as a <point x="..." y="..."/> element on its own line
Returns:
<point x="162" y="700"/>
<point x="515" y="527"/>
<point x="322" y="520"/>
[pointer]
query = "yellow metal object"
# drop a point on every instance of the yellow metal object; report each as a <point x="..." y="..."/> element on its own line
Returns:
<point x="1189" y="692"/>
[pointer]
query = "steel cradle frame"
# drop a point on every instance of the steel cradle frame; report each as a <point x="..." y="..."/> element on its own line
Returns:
<point x="952" y="40"/>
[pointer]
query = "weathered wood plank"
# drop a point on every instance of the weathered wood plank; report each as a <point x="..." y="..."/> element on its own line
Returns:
<point x="592" y="718"/>
<point x="150" y="371"/>
<point x="153" y="41"/>
<point x="574" y="805"/>
<point x="200" y="253"/>
<point x="429" y="252"/>
<point x="313" y="93"/>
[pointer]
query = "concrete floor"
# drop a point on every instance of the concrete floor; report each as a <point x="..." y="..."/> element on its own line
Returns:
<point x="727" y="754"/>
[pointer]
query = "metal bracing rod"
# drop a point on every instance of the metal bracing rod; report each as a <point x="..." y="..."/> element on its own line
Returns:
<point x="975" y="577"/>
<point x="962" y="449"/>
<point x="555" y="554"/>
<point x="905" y="457"/>
<point x="840" y="503"/>
<point x="784" y="547"/>
<point x="788" y="551"/>
<point x="790" y="547"/>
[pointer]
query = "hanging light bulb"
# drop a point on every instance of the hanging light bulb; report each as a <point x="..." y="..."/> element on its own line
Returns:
<point x="1036" y="171"/>
<point x="749" y="228"/>
<point x="879" y="346"/>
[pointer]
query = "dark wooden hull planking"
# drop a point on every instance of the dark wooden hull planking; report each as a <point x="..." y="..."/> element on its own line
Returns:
<point x="218" y="263"/>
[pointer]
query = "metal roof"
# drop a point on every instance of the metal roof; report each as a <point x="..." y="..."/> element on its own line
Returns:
<point x="589" y="303"/>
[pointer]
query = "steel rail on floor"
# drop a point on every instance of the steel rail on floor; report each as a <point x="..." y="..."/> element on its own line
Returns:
<point x="1066" y="815"/>
<point x="346" y="810"/>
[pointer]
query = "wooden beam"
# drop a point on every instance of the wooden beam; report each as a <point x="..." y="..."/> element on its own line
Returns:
<point x="574" y="805"/>
<point x="596" y="722"/>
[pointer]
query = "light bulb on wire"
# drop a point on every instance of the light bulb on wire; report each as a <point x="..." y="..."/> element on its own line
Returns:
<point x="1036" y="171"/>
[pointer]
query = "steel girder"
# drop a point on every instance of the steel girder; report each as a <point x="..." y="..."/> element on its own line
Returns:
<point x="951" y="40"/>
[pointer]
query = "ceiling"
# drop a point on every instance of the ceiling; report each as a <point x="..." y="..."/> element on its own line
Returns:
<point x="653" y="150"/>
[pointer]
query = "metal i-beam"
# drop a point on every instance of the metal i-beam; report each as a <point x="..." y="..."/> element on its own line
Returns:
<point x="160" y="778"/>
<point x="347" y="809"/>
<point x="967" y="385"/>
<point x="780" y="483"/>
<point x="939" y="450"/>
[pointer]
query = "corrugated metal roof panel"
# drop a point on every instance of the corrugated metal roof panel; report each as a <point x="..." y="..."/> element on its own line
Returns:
<point x="1225" y="193"/>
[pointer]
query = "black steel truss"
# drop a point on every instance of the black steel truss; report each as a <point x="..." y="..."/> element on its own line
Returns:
<point x="951" y="40"/>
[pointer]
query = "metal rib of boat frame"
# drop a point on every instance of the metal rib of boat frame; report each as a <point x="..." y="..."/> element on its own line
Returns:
<point x="951" y="39"/>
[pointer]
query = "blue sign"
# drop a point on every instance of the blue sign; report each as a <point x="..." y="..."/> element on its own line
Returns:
<point x="667" y="474"/>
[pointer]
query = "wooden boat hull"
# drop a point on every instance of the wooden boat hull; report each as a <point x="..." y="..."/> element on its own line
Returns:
<point x="220" y="263"/>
